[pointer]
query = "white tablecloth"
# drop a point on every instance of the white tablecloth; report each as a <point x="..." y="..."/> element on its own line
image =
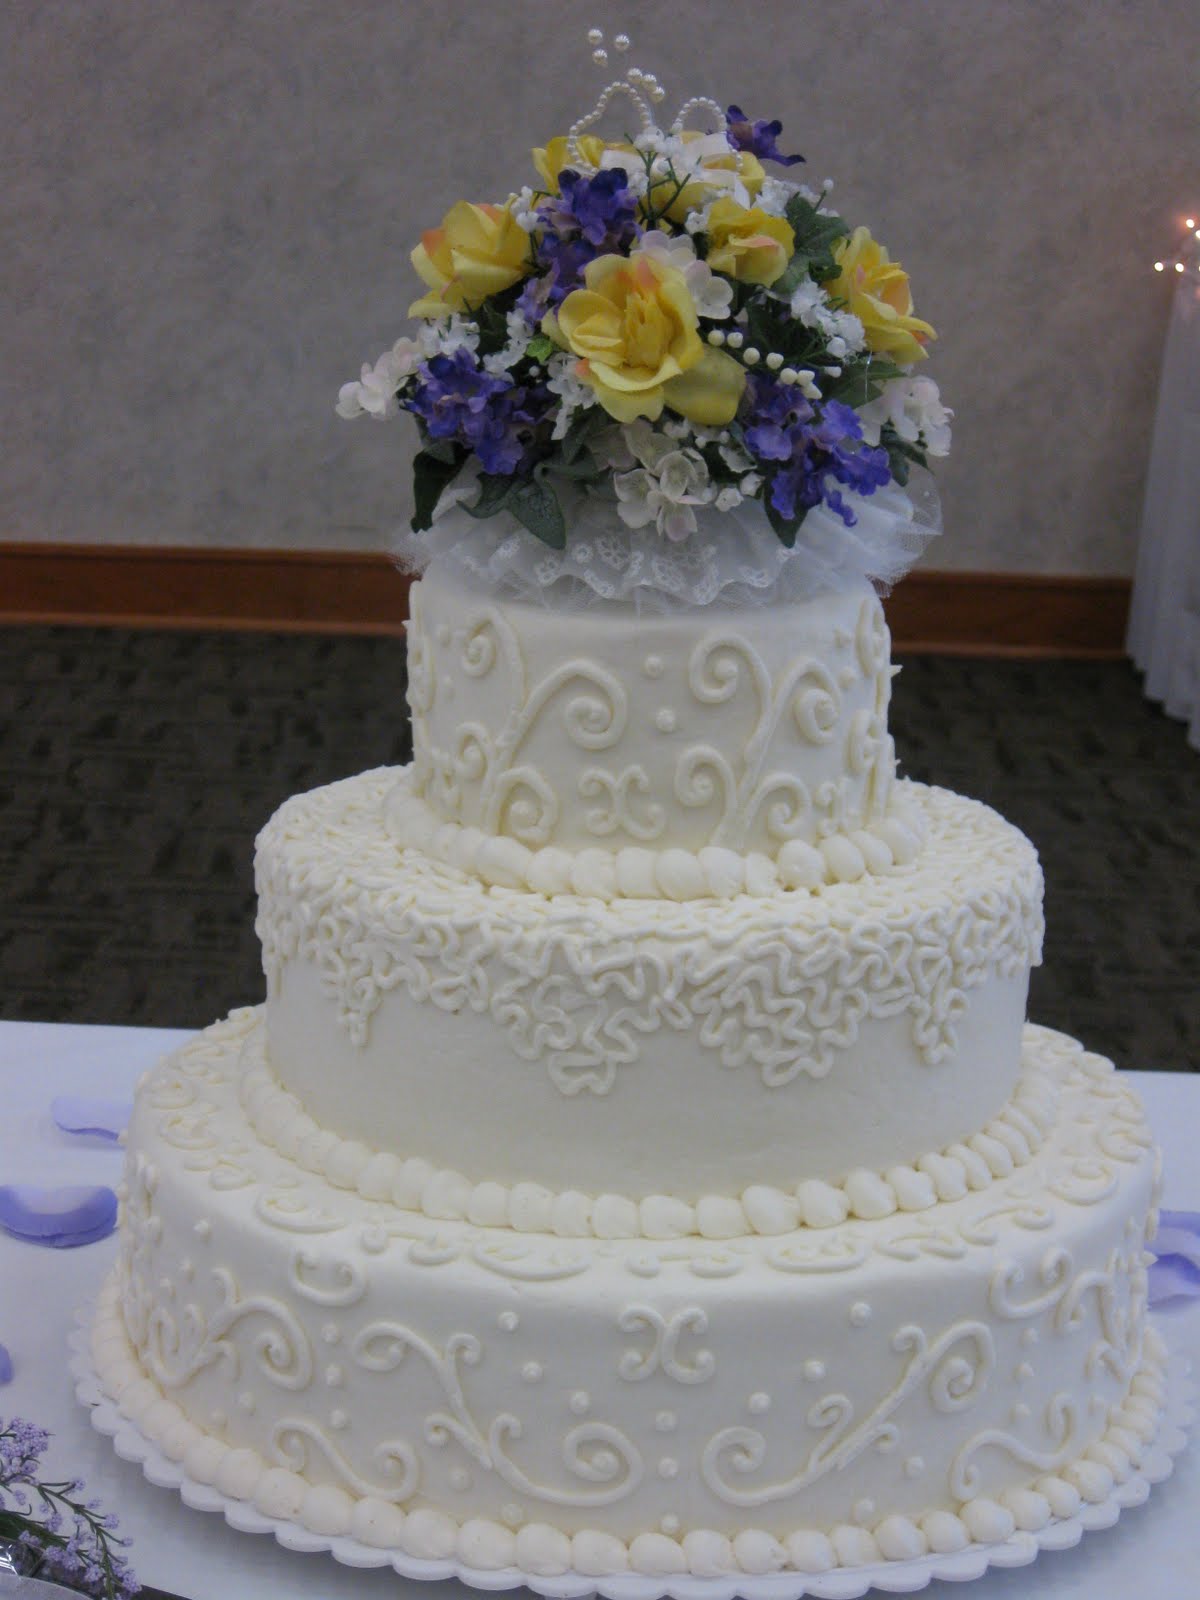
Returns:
<point x="1152" y="1554"/>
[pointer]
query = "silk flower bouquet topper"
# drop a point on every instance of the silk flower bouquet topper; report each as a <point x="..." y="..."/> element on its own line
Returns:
<point x="662" y="324"/>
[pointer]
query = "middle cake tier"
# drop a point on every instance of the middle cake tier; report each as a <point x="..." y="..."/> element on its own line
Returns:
<point x="809" y="1045"/>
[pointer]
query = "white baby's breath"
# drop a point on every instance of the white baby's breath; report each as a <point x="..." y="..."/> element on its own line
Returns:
<point x="519" y="335"/>
<point x="523" y="206"/>
<point x="573" y="394"/>
<point x="810" y="305"/>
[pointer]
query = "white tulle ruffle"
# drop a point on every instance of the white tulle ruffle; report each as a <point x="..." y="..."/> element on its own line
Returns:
<point x="733" y="559"/>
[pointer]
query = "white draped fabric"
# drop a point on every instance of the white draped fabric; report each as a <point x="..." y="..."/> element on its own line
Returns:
<point x="1164" y="622"/>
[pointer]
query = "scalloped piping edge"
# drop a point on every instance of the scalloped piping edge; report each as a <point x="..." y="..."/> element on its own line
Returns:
<point x="545" y="1551"/>
<point x="1011" y="1139"/>
<point x="712" y="873"/>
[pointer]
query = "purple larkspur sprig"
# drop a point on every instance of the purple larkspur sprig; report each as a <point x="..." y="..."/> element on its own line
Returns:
<point x="589" y="217"/>
<point x="486" y="412"/>
<point x="807" y="452"/>
<point x="758" y="137"/>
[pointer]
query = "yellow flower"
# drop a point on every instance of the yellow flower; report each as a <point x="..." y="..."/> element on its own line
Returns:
<point x="554" y="156"/>
<point x="710" y="171"/>
<point x="477" y="252"/>
<point x="634" y="328"/>
<point x="876" y="290"/>
<point x="747" y="244"/>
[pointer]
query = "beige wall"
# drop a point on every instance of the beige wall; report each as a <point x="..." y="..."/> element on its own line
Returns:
<point x="210" y="207"/>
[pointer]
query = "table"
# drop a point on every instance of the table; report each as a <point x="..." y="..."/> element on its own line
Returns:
<point x="1153" y="1552"/>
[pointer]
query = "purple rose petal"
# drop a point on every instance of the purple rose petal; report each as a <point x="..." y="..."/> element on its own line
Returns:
<point x="1175" y="1274"/>
<point x="100" y="1119"/>
<point x="60" y="1218"/>
<point x="6" y="1366"/>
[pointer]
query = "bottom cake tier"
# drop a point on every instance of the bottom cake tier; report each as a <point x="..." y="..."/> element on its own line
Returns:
<point x="820" y="1397"/>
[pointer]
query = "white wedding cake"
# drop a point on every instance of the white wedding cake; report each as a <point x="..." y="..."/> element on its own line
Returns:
<point x="642" y="1161"/>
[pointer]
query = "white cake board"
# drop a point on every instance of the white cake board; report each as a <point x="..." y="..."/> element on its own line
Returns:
<point x="843" y="1583"/>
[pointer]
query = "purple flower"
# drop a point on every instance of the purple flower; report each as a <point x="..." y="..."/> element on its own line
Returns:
<point x="489" y="414"/>
<point x="589" y="217"/>
<point x="757" y="137"/>
<point x="602" y="209"/>
<point x="816" y="450"/>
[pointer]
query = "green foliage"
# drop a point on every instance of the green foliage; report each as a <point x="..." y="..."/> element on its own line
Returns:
<point x="435" y="466"/>
<point x="902" y="455"/>
<point x="535" y="505"/>
<point x="861" y="380"/>
<point x="531" y="500"/>
<point x="816" y="234"/>
<point x="540" y="348"/>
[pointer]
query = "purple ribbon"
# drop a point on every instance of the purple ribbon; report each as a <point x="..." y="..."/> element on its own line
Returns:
<point x="1175" y="1274"/>
<point x="6" y="1366"/>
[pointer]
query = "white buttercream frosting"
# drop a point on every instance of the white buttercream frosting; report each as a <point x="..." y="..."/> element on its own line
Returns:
<point x="538" y="734"/>
<point x="1009" y="1140"/>
<point x="465" y="1392"/>
<point x="642" y="1046"/>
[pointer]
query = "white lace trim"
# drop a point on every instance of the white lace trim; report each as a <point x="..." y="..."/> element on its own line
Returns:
<point x="733" y="559"/>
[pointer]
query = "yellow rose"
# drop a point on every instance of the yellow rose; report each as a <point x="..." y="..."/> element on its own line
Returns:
<point x="747" y="244"/>
<point x="477" y="252"/>
<point x="554" y="156"/>
<point x="876" y="290"/>
<point x="712" y="174"/>
<point x="634" y="328"/>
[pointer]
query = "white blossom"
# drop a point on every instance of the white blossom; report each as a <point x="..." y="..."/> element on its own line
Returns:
<point x="914" y="408"/>
<point x="711" y="295"/>
<point x="665" y="495"/>
<point x="728" y="498"/>
<point x="574" y="395"/>
<point x="374" y="394"/>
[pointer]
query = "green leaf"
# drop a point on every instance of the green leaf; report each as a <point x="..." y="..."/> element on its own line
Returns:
<point x="494" y="491"/>
<point x="816" y="232"/>
<point x="441" y="449"/>
<point x="792" y="276"/>
<point x="583" y="425"/>
<point x="901" y="454"/>
<point x="860" y="381"/>
<point x="432" y="472"/>
<point x="540" y="348"/>
<point x="784" y="527"/>
<point x="534" y="504"/>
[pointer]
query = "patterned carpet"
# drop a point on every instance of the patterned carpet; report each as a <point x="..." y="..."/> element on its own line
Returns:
<point x="136" y="768"/>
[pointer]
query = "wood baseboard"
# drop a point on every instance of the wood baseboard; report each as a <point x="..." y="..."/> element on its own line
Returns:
<point x="336" y="591"/>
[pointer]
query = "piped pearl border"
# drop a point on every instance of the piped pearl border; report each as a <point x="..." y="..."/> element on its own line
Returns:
<point x="713" y="873"/>
<point x="1008" y="1141"/>
<point x="110" y="1379"/>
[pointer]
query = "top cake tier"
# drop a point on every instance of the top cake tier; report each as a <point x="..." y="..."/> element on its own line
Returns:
<point x="717" y="734"/>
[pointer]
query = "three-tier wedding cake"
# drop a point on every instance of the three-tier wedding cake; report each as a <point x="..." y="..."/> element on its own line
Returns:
<point x="642" y="1161"/>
